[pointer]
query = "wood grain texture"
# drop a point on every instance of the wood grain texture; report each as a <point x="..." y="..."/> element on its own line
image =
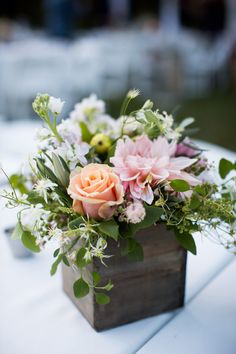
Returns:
<point x="141" y="289"/>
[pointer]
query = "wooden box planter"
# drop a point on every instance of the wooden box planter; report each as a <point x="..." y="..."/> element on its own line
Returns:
<point x="141" y="289"/>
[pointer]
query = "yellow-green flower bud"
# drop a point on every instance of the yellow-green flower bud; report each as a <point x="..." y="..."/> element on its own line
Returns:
<point x="101" y="142"/>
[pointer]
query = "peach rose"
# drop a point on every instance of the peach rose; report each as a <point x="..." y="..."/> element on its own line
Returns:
<point x="96" y="191"/>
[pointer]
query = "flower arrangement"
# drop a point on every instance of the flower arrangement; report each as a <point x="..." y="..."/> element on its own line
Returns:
<point x="95" y="180"/>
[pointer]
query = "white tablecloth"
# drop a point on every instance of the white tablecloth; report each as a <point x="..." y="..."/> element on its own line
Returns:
<point x="36" y="317"/>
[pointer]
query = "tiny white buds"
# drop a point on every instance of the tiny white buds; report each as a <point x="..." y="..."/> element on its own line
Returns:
<point x="55" y="105"/>
<point x="133" y="94"/>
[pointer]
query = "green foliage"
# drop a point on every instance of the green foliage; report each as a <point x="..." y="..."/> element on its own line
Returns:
<point x="18" y="183"/>
<point x="179" y="185"/>
<point x="96" y="278"/>
<point x="80" y="288"/>
<point x="195" y="202"/>
<point x="65" y="260"/>
<point x="56" y="264"/>
<point x="187" y="241"/>
<point x="56" y="252"/>
<point x="225" y="167"/>
<point x="85" y="132"/>
<point x="153" y="215"/>
<point x="102" y="299"/>
<point x="74" y="224"/>
<point x="152" y="125"/>
<point x="34" y="198"/>
<point x="17" y="232"/>
<point x="29" y="241"/>
<point x="131" y="248"/>
<point x="109" y="228"/>
<point x="61" y="172"/>
<point x="80" y="261"/>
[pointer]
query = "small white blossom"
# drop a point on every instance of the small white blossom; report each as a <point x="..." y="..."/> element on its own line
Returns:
<point x="88" y="108"/>
<point x="34" y="217"/>
<point x="42" y="187"/>
<point x="55" y="105"/>
<point x="73" y="153"/>
<point x="130" y="125"/>
<point x="88" y="256"/>
<point x="70" y="131"/>
<point x="185" y="123"/>
<point x="55" y="233"/>
<point x="133" y="93"/>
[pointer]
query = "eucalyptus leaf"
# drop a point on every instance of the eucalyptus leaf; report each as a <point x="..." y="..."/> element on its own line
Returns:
<point x="80" y="288"/>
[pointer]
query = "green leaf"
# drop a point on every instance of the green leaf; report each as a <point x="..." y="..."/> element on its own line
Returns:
<point x="187" y="241"/>
<point x="60" y="171"/>
<point x="96" y="278"/>
<point x="35" y="198"/>
<point x="56" y="252"/>
<point x="108" y="286"/>
<point x="102" y="299"/>
<point x="194" y="202"/>
<point x="109" y="228"/>
<point x="200" y="189"/>
<point x="85" y="132"/>
<point x="17" y="232"/>
<point x="29" y="241"/>
<point x="135" y="253"/>
<point x="225" y="167"/>
<point x="65" y="261"/>
<point x="56" y="264"/>
<point x="179" y="185"/>
<point x="125" y="230"/>
<point x="80" y="261"/>
<point x="18" y="182"/>
<point x="80" y="288"/>
<point x="73" y="225"/>
<point x="153" y="215"/>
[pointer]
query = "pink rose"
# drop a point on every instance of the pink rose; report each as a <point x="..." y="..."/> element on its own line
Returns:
<point x="96" y="191"/>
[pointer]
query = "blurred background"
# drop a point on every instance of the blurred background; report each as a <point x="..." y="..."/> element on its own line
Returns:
<point x="180" y="53"/>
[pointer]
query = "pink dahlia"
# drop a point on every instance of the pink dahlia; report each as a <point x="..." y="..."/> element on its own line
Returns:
<point x="142" y="164"/>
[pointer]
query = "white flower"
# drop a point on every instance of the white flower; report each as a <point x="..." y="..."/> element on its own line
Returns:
<point x="70" y="131"/>
<point x="55" y="233"/>
<point x="130" y="125"/>
<point x="88" y="108"/>
<point x="33" y="217"/>
<point x="73" y="153"/>
<point x="133" y="93"/>
<point x="55" y="105"/>
<point x="42" y="186"/>
<point x="135" y="212"/>
<point x="185" y="123"/>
